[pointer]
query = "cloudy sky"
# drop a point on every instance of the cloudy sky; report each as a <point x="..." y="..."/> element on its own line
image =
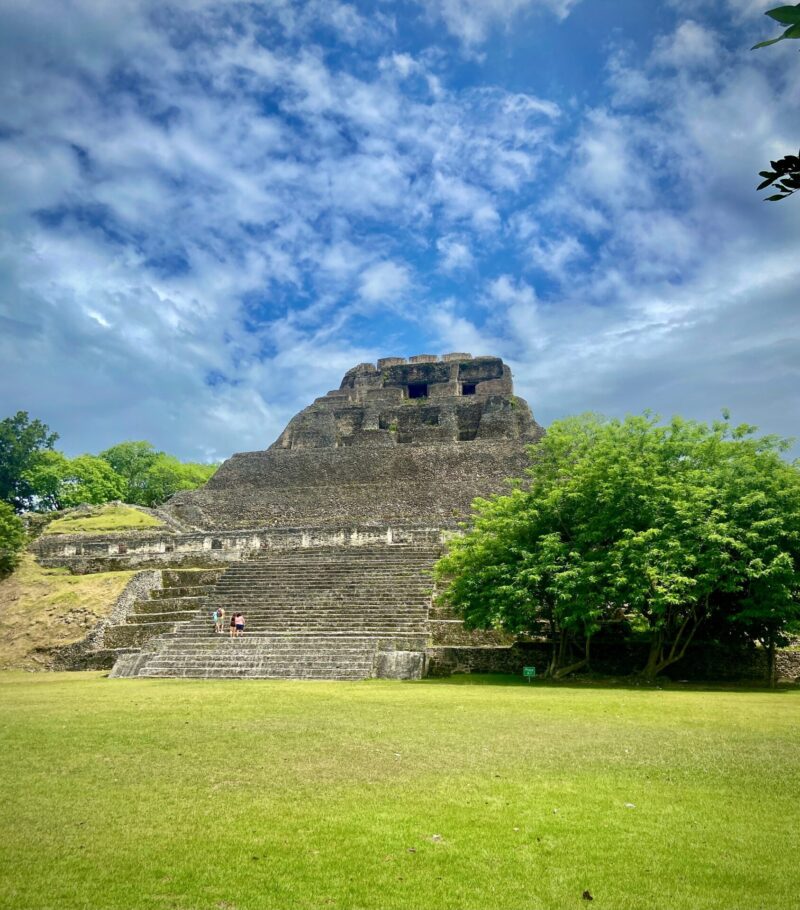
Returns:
<point x="210" y="209"/>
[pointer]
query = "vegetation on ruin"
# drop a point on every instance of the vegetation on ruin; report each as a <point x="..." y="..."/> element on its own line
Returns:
<point x="100" y="521"/>
<point x="12" y="539"/>
<point x="34" y="476"/>
<point x="673" y="531"/>
<point x="46" y="608"/>
<point x="150" y="476"/>
<point x="263" y="795"/>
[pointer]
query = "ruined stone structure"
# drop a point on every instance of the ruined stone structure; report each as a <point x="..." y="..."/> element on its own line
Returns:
<point x="396" y="444"/>
<point x="327" y="538"/>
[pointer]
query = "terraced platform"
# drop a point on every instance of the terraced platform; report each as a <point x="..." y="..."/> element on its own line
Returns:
<point x="325" y="612"/>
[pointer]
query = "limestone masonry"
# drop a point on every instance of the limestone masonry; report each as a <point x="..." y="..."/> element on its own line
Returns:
<point x="404" y="441"/>
<point x="326" y="539"/>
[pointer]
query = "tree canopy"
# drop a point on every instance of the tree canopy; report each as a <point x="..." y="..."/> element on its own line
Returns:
<point x="34" y="476"/>
<point x="677" y="528"/>
<point x="61" y="482"/>
<point x="22" y="443"/>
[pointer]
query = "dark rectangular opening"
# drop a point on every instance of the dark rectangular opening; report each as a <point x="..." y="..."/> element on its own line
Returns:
<point x="418" y="390"/>
<point x="467" y="388"/>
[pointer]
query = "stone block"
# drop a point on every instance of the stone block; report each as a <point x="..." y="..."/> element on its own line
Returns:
<point x="444" y="390"/>
<point x="449" y="358"/>
<point x="491" y="387"/>
<point x="385" y="362"/>
<point x="399" y="664"/>
<point x="387" y="393"/>
<point x="424" y="358"/>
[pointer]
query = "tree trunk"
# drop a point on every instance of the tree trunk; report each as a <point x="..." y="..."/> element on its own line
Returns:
<point x="565" y="671"/>
<point x="657" y="660"/>
<point x="551" y="670"/>
<point x="654" y="657"/>
<point x="771" y="671"/>
<point x="578" y="664"/>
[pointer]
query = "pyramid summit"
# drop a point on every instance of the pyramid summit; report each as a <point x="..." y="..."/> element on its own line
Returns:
<point x="401" y="441"/>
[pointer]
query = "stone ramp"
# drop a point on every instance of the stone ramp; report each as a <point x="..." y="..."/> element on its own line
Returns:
<point x="318" y="613"/>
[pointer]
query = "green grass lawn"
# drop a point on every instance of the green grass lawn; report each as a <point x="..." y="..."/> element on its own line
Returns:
<point x="107" y="518"/>
<point x="463" y="794"/>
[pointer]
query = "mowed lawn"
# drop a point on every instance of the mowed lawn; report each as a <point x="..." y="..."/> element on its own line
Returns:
<point x="465" y="794"/>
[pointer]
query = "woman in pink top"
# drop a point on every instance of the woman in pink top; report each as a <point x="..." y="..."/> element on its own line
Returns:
<point x="239" y="620"/>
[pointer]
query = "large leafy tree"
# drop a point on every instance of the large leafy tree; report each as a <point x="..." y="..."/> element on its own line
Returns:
<point x="12" y="539"/>
<point x="785" y="174"/>
<point x="677" y="527"/>
<point x="167" y="476"/>
<point x="132" y="460"/>
<point x="61" y="482"/>
<point x="22" y="443"/>
<point x="151" y="476"/>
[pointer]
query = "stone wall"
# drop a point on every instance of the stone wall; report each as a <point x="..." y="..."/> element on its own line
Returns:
<point x="83" y="554"/>
<point x="431" y="484"/>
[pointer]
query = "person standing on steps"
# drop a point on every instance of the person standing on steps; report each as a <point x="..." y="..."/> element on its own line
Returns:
<point x="219" y="619"/>
<point x="233" y="625"/>
<point x="239" y="624"/>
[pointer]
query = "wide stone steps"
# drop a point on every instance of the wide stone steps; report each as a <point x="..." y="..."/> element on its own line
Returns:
<point x="182" y="577"/>
<point x="165" y="605"/>
<point x="173" y="616"/>
<point x="322" y="612"/>
<point x="168" y="593"/>
<point x="344" y="656"/>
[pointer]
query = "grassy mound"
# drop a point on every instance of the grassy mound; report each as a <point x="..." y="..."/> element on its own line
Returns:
<point x="107" y="518"/>
<point x="253" y="795"/>
<point x="43" y="608"/>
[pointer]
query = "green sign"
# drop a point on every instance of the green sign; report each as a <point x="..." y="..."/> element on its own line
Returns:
<point x="529" y="672"/>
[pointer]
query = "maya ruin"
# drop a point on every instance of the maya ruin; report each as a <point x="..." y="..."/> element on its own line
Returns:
<point x="324" y="541"/>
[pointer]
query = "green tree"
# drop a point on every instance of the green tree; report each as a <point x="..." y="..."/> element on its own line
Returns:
<point x="62" y="483"/>
<point x="22" y="442"/>
<point x="673" y="526"/>
<point x="12" y="539"/>
<point x="785" y="174"/>
<point x="132" y="460"/>
<point x="167" y="476"/>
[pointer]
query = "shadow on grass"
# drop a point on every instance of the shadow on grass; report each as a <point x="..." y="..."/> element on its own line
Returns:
<point x="606" y="682"/>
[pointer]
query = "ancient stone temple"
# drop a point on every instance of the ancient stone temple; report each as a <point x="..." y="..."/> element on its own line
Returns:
<point x="401" y="443"/>
<point x="325" y="540"/>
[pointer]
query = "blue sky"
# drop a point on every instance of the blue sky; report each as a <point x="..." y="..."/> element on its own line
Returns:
<point x="210" y="210"/>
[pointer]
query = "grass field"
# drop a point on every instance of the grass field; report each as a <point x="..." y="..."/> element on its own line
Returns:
<point x="464" y="794"/>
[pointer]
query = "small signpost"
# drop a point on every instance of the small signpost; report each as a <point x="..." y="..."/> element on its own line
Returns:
<point x="529" y="673"/>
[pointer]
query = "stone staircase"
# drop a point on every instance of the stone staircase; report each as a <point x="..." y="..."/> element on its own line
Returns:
<point x="181" y="599"/>
<point x="316" y="613"/>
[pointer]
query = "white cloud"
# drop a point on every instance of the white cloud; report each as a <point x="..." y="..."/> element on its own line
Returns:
<point x="455" y="253"/>
<point x="384" y="282"/>
<point x="471" y="21"/>
<point x="690" y="45"/>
